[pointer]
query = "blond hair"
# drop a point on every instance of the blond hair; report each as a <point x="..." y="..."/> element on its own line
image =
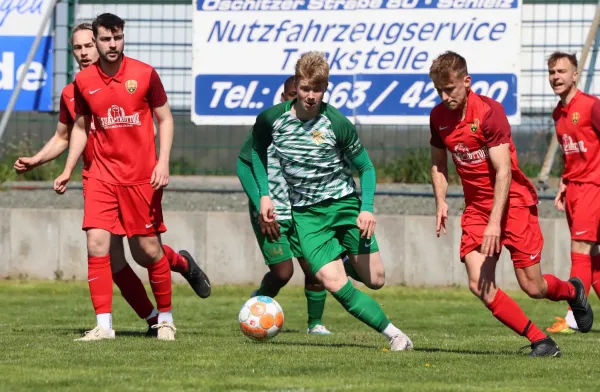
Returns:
<point x="79" y="27"/>
<point x="447" y="64"/>
<point x="313" y="66"/>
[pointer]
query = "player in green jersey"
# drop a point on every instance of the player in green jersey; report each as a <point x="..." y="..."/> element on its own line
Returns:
<point x="283" y="244"/>
<point x="313" y="141"/>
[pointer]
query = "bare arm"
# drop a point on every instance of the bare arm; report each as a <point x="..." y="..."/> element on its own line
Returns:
<point x="166" y="130"/>
<point x="439" y="181"/>
<point x="439" y="173"/>
<point x="500" y="157"/>
<point x="56" y="145"/>
<point x="51" y="150"/>
<point x="77" y="143"/>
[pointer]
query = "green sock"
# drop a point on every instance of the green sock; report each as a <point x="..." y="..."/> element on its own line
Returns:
<point x="361" y="306"/>
<point x="315" y="302"/>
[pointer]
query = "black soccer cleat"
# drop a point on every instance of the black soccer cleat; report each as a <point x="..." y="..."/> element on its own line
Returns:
<point x="151" y="332"/>
<point x="195" y="276"/>
<point x="544" y="348"/>
<point x="582" y="311"/>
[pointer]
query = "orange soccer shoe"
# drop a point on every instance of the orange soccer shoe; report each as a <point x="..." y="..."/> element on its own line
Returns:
<point x="560" y="326"/>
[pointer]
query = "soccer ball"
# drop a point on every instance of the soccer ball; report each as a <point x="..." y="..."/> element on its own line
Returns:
<point x="261" y="318"/>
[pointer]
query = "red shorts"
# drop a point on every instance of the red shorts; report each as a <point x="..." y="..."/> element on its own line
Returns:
<point x="582" y="203"/>
<point x="521" y="234"/>
<point x="122" y="210"/>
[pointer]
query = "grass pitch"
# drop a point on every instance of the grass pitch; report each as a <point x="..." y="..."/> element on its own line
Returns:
<point x="458" y="346"/>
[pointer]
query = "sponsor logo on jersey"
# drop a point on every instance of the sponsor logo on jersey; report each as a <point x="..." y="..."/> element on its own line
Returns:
<point x="463" y="156"/>
<point x="116" y="118"/>
<point x="569" y="146"/>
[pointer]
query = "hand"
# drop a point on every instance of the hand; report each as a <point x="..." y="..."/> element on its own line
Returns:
<point x="270" y="229"/>
<point x="25" y="164"/>
<point x="60" y="184"/>
<point x="441" y="217"/>
<point x="366" y="224"/>
<point x="491" y="239"/>
<point x="160" y="176"/>
<point x="559" y="200"/>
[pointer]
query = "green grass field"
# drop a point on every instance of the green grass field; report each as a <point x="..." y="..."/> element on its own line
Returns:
<point x="459" y="346"/>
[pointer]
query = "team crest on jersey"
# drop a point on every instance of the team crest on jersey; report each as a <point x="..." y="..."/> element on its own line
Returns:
<point x="475" y="125"/>
<point x="575" y="117"/>
<point x="318" y="137"/>
<point x="131" y="86"/>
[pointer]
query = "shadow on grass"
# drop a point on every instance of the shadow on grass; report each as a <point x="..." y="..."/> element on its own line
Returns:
<point x="470" y="352"/>
<point x="323" y="344"/>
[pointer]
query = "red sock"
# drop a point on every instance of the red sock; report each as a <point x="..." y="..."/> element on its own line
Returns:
<point x="177" y="262"/>
<point x="596" y="274"/>
<point x="132" y="289"/>
<point x="558" y="290"/>
<point x="510" y="314"/>
<point x="581" y="267"/>
<point x="100" y="282"/>
<point x="160" y="281"/>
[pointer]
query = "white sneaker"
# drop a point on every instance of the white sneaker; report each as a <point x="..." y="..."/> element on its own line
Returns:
<point x="166" y="331"/>
<point x="318" y="330"/>
<point x="400" y="342"/>
<point x="97" y="333"/>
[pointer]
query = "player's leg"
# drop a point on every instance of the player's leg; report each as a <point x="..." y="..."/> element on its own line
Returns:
<point x="364" y="262"/>
<point x="141" y="217"/>
<point x="100" y="284"/>
<point x="596" y="269"/>
<point x="481" y="272"/>
<point x="280" y="273"/>
<point x="148" y="252"/>
<point x="277" y="256"/>
<point x="523" y="238"/>
<point x="99" y="219"/>
<point x="131" y="287"/>
<point x="185" y="264"/>
<point x="316" y="296"/>
<point x="314" y="290"/>
<point x="583" y="217"/>
<point x="323" y="251"/>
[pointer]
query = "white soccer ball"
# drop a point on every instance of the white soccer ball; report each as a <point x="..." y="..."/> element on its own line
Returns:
<point x="261" y="318"/>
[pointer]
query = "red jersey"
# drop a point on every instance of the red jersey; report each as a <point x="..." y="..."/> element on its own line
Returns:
<point x="67" y="117"/>
<point x="485" y="125"/>
<point x="121" y="107"/>
<point x="578" y="132"/>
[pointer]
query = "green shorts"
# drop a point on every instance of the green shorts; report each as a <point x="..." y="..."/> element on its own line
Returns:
<point x="283" y="249"/>
<point x="328" y="229"/>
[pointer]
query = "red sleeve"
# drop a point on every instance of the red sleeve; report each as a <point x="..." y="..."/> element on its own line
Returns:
<point x="156" y="94"/>
<point x="81" y="105"/>
<point x="65" y="115"/>
<point x="495" y="127"/>
<point x="596" y="116"/>
<point x="435" y="140"/>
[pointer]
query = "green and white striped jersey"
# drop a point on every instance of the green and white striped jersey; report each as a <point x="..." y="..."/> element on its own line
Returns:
<point x="311" y="153"/>
<point x="278" y="188"/>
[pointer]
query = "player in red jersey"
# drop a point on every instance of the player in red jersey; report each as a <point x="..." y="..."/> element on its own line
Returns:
<point x="577" y="120"/>
<point x="125" y="179"/>
<point x="85" y="53"/>
<point x="500" y="203"/>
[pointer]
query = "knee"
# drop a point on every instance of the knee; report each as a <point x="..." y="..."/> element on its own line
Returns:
<point x="285" y="275"/>
<point x="486" y="295"/>
<point x="97" y="245"/>
<point x="149" y="254"/>
<point x="533" y="289"/>
<point x="377" y="281"/>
